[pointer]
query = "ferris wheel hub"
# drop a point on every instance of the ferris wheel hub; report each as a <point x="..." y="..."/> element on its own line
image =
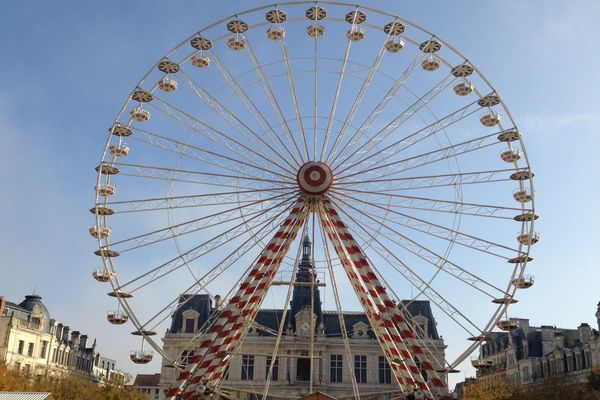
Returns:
<point x="314" y="178"/>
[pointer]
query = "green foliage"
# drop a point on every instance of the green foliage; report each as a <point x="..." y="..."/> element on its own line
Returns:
<point x="558" y="388"/>
<point x="594" y="380"/>
<point x="68" y="387"/>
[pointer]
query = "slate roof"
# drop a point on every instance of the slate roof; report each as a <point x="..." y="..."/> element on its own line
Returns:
<point x="146" y="380"/>
<point x="25" y="396"/>
<point x="272" y="317"/>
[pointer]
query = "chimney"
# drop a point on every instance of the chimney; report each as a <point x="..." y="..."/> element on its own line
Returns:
<point x="217" y="302"/>
<point x="83" y="341"/>
<point x="547" y="338"/>
<point x="75" y="339"/>
<point x="585" y="332"/>
<point x="65" y="334"/>
<point x="2" y="305"/>
<point x="59" y="329"/>
<point x="598" y="316"/>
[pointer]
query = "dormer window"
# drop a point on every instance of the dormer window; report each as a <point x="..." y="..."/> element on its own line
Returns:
<point x="420" y="323"/>
<point x="359" y="330"/>
<point x="190" y="321"/>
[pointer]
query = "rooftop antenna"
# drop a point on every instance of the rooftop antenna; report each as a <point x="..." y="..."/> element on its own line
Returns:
<point x="34" y="289"/>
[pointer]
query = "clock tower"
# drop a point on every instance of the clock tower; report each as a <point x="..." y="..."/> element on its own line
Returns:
<point x="306" y="293"/>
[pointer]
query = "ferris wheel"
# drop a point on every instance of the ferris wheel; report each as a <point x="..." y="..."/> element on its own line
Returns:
<point x="344" y="124"/>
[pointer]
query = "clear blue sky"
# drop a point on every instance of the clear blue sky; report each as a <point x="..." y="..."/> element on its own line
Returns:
<point x="67" y="66"/>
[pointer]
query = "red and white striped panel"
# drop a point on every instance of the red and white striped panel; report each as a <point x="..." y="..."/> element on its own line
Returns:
<point x="235" y="318"/>
<point x="391" y="342"/>
<point x="384" y="304"/>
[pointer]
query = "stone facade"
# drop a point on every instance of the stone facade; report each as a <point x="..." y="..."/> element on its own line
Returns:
<point x="32" y="341"/>
<point x="529" y="355"/>
<point x="332" y="369"/>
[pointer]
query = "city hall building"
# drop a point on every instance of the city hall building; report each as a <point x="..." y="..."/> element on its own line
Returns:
<point x="333" y="369"/>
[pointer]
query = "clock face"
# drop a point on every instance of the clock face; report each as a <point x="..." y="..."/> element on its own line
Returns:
<point x="305" y="327"/>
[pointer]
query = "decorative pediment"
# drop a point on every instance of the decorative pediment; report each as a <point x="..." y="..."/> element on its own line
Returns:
<point x="305" y="319"/>
<point x="420" y="325"/>
<point x="359" y="330"/>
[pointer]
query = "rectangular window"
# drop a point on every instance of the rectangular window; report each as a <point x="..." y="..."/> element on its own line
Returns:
<point x="335" y="370"/>
<point x="21" y="346"/>
<point x="30" y="350"/>
<point x="44" y="349"/>
<point x="247" y="368"/>
<point x="385" y="373"/>
<point x="226" y="373"/>
<point x="360" y="369"/>
<point x="189" y="325"/>
<point x="275" y="374"/>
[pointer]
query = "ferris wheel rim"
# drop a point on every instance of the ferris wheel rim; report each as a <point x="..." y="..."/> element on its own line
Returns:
<point x="518" y="269"/>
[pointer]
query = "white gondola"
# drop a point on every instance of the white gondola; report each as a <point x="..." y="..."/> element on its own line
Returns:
<point x="524" y="282"/>
<point x="431" y="63"/>
<point x="236" y="44"/>
<point x="200" y="61"/>
<point x="101" y="275"/>
<point x="117" y="317"/>
<point x="463" y="88"/>
<point x="120" y="294"/>
<point x="106" y="190"/>
<point x="522" y="196"/>
<point x="277" y="33"/>
<point x="356" y="33"/>
<point x="510" y="156"/>
<point x="395" y="44"/>
<point x="315" y="30"/>
<point x="490" y="119"/>
<point x="505" y="300"/>
<point x="507" y="325"/>
<point x="141" y="356"/>
<point x="139" y="114"/>
<point x="118" y="150"/>
<point x="167" y="85"/>
<point x="99" y="232"/>
<point x="528" y="238"/>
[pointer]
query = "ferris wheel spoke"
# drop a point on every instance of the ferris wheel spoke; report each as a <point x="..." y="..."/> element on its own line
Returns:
<point x="337" y="93"/>
<point x="188" y="201"/>
<point x="252" y="107"/>
<point x="220" y="267"/>
<point x="394" y="335"/>
<point x="235" y="122"/>
<point x="412" y="139"/>
<point x="205" y="222"/>
<point x="205" y="178"/>
<point x="232" y="324"/>
<point x="380" y="107"/>
<point x="430" y="157"/>
<point x="273" y="100"/>
<point x="292" y="85"/>
<point x="358" y="99"/>
<point x="431" y="257"/>
<point x="340" y="312"/>
<point x="202" y="154"/>
<point x="211" y="133"/>
<point x="439" y="231"/>
<point x="414" y="278"/>
<point x="198" y="154"/>
<point x="370" y="143"/>
<point x="431" y="181"/>
<point x="203" y="249"/>
<point x="433" y="204"/>
<point x="389" y="287"/>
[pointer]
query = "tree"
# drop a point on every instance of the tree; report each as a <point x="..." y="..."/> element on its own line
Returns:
<point x="67" y="387"/>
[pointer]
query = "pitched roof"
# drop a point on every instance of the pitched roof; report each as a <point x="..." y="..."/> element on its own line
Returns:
<point x="146" y="380"/>
<point x="25" y="396"/>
